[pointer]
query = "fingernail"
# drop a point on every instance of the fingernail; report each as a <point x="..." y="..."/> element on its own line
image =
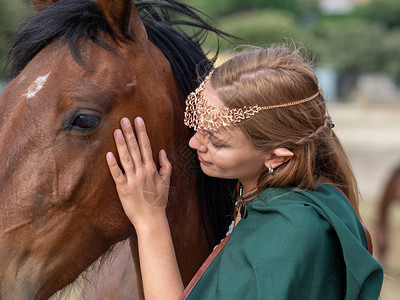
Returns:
<point x="118" y="133"/>
<point x="125" y="122"/>
<point x="109" y="156"/>
<point x="139" y="121"/>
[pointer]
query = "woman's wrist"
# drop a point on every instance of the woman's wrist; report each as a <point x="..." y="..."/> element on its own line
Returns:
<point x="154" y="224"/>
<point x="160" y="272"/>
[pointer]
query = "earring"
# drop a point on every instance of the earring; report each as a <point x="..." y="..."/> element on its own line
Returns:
<point x="270" y="170"/>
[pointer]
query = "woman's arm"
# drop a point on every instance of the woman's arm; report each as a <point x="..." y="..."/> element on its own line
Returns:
<point x="143" y="192"/>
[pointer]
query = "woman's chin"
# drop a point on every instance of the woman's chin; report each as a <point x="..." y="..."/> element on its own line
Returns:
<point x="206" y="170"/>
<point x="212" y="173"/>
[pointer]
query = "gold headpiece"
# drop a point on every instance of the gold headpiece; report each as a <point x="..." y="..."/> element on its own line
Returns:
<point x="202" y="116"/>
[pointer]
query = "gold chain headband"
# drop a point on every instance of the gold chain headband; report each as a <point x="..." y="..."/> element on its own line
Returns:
<point x="202" y="116"/>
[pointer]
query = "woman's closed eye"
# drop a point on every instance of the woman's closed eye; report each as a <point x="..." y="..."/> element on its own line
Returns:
<point x="216" y="145"/>
<point x="215" y="142"/>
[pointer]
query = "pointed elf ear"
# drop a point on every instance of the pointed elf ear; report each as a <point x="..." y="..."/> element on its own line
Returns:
<point x="123" y="18"/>
<point x="39" y="5"/>
<point x="278" y="157"/>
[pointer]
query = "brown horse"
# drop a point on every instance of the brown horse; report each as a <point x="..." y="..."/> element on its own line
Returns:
<point x="78" y="67"/>
<point x="391" y="193"/>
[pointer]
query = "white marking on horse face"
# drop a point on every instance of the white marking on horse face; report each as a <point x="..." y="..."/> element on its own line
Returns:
<point x="36" y="86"/>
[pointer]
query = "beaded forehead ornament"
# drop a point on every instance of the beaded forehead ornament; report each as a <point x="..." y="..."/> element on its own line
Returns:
<point x="201" y="116"/>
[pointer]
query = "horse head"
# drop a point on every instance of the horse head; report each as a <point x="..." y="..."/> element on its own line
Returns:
<point x="91" y="64"/>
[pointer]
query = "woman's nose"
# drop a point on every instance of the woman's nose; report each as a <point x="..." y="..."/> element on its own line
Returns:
<point x="198" y="142"/>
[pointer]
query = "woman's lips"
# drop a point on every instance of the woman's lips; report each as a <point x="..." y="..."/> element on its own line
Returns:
<point x="203" y="161"/>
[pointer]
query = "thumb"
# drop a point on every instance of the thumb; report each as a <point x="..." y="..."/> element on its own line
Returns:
<point x="165" y="166"/>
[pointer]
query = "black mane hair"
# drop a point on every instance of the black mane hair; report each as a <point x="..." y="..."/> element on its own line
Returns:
<point x="72" y="21"/>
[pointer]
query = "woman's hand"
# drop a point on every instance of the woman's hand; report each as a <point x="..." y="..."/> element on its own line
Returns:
<point x="143" y="191"/>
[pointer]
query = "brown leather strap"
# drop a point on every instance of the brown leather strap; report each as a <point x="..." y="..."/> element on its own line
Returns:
<point x="203" y="268"/>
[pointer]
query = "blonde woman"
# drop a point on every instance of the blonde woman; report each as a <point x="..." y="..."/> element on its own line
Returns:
<point x="260" y="118"/>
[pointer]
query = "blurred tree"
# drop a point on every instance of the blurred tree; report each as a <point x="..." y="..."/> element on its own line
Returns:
<point x="352" y="44"/>
<point x="386" y="13"/>
<point x="12" y="12"/>
<point x="227" y="7"/>
<point x="382" y="11"/>
<point x="263" y="27"/>
<point x="392" y="56"/>
<point x="351" y="47"/>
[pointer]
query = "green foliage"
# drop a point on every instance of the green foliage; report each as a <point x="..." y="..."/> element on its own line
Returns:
<point x="263" y="27"/>
<point x="12" y="12"/>
<point x="368" y="39"/>
<point x="392" y="55"/>
<point x="215" y="9"/>
<point x="385" y="14"/>
<point x="352" y="44"/>
<point x="227" y="7"/>
<point x="383" y="11"/>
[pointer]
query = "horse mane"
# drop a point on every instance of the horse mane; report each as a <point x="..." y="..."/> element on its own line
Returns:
<point x="75" y="22"/>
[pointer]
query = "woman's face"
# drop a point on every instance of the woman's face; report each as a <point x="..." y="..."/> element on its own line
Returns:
<point x="228" y="152"/>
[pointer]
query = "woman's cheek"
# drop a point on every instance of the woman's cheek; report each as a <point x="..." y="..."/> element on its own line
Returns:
<point x="223" y="159"/>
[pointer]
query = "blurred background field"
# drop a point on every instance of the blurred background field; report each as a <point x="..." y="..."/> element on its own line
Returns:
<point x="355" y="46"/>
<point x="371" y="137"/>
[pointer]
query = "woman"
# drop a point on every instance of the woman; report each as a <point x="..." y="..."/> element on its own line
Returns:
<point x="260" y="118"/>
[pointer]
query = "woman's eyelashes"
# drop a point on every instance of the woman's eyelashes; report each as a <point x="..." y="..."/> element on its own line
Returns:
<point x="217" y="146"/>
<point x="215" y="142"/>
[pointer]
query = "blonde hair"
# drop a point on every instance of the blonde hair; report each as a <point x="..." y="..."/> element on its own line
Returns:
<point x="279" y="75"/>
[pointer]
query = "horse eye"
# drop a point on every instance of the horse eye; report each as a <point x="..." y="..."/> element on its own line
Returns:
<point x="85" y="122"/>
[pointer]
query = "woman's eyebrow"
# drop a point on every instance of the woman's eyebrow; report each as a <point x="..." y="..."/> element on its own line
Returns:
<point x="215" y="137"/>
<point x="212" y="135"/>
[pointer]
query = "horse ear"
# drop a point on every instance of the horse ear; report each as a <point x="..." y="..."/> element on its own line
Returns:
<point x="123" y="18"/>
<point x="39" y="5"/>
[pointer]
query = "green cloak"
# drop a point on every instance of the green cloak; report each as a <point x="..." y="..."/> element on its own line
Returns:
<point x="294" y="244"/>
